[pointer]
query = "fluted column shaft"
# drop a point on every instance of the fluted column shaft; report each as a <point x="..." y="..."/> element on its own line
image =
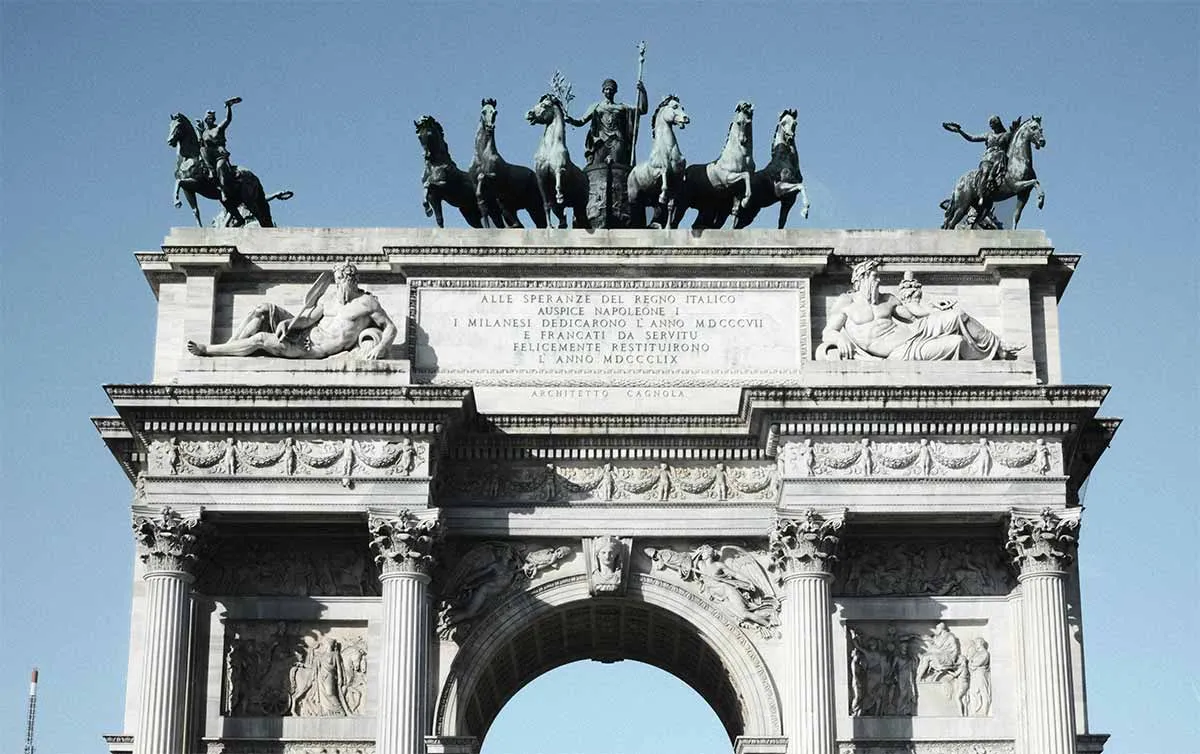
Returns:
<point x="403" y="543"/>
<point x="803" y="550"/>
<point x="1050" y="707"/>
<point x="1042" y="547"/>
<point x="168" y="546"/>
<point x="164" y="663"/>
<point x="806" y="618"/>
<point x="404" y="666"/>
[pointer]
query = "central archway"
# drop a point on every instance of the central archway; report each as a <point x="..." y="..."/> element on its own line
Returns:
<point x="656" y="622"/>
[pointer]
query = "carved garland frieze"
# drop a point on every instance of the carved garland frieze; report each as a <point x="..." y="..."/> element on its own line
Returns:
<point x="346" y="459"/>
<point x="730" y="577"/>
<point x="294" y="669"/>
<point x="909" y="670"/>
<point x="953" y="567"/>
<point x="921" y="458"/>
<point x="928" y="747"/>
<point x="484" y="576"/>
<point x="610" y="482"/>
<point x="340" y="746"/>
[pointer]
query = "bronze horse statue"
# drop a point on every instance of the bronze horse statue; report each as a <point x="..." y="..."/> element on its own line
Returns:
<point x="442" y="180"/>
<point x="561" y="182"/>
<point x="194" y="177"/>
<point x="780" y="181"/>
<point x="1019" y="180"/>
<point x="659" y="180"/>
<point x="710" y="189"/>
<point x="501" y="188"/>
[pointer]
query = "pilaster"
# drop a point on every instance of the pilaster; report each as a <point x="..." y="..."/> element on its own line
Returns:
<point x="802" y="552"/>
<point x="403" y="545"/>
<point x="1042" y="547"/>
<point x="168" y="546"/>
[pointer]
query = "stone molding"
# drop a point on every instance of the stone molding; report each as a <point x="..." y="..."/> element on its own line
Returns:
<point x="346" y="458"/>
<point x="1043" y="543"/>
<point x="806" y="544"/>
<point x="275" y="746"/>
<point x="927" y="747"/>
<point x="404" y="543"/>
<point x="921" y="458"/>
<point x="169" y="541"/>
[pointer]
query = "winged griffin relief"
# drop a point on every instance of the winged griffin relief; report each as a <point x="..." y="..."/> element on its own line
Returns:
<point x="730" y="577"/>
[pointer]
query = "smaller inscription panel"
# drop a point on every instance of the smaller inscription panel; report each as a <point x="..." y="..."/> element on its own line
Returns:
<point x="606" y="332"/>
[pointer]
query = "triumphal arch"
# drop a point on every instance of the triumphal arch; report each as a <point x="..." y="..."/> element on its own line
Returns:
<point x="384" y="478"/>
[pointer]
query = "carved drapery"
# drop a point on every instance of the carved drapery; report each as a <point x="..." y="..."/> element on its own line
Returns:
<point x="805" y="544"/>
<point x="169" y="541"/>
<point x="1046" y="542"/>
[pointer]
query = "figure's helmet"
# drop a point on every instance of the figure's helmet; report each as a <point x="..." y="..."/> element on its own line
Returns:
<point x="607" y="83"/>
<point x="996" y="123"/>
<point x="210" y="116"/>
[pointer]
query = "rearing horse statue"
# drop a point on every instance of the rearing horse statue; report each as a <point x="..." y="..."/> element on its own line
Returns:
<point x="442" y="180"/>
<point x="193" y="178"/>
<point x="561" y="182"/>
<point x="1019" y="179"/>
<point x="780" y="181"/>
<point x="659" y="180"/>
<point x="501" y="189"/>
<point x="710" y="188"/>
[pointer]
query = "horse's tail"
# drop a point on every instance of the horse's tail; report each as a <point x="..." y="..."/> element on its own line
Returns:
<point x="255" y="198"/>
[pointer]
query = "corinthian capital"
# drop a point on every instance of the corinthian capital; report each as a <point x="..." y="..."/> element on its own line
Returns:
<point x="1042" y="543"/>
<point x="169" y="541"/>
<point x="805" y="544"/>
<point x="404" y="543"/>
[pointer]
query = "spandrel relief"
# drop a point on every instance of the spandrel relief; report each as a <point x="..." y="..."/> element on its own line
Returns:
<point x="660" y="482"/>
<point x="291" y="567"/>
<point x="909" y="669"/>
<point x="483" y="575"/>
<point x="730" y="577"/>
<point x="294" y="669"/>
<point x="952" y="567"/>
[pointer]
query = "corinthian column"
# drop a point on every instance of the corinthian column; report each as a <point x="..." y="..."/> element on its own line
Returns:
<point x="167" y="545"/>
<point x="802" y="551"/>
<point x="1042" y="547"/>
<point x="403" y="546"/>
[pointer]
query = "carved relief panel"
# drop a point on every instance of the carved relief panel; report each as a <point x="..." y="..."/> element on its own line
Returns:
<point x="290" y="567"/>
<point x="294" y="669"/>
<point x="977" y="459"/>
<point x="914" y="668"/>
<point x="942" y="567"/>
<point x="730" y="577"/>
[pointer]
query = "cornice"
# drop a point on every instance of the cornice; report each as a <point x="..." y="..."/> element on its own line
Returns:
<point x="294" y="395"/>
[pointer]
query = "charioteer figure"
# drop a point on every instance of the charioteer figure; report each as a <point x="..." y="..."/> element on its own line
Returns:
<point x="610" y="151"/>
<point x="613" y="124"/>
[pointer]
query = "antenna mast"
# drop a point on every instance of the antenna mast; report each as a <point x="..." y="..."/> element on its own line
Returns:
<point x="32" y="712"/>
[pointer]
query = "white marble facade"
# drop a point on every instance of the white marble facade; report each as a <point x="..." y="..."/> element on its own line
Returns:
<point x="611" y="445"/>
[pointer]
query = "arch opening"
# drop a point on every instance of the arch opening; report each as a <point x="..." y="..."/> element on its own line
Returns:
<point x="655" y="623"/>
<point x="586" y="706"/>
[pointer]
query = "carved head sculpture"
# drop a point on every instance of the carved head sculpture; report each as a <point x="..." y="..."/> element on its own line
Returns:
<point x="608" y="556"/>
<point x="672" y="112"/>
<point x="864" y="277"/>
<point x="345" y="277"/>
<point x="609" y="89"/>
<point x="210" y="118"/>
<point x="996" y="124"/>
<point x="487" y="114"/>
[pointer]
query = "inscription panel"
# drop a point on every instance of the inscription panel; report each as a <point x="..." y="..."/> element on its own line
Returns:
<point x="605" y="332"/>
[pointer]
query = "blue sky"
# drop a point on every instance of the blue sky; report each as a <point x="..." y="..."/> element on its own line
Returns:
<point x="331" y="91"/>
